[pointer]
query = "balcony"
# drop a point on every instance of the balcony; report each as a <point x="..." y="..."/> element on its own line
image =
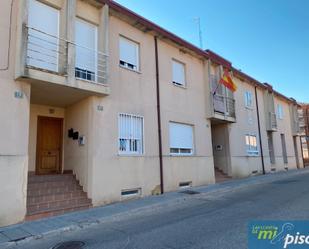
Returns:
<point x="297" y="119"/>
<point x="272" y="122"/>
<point x="46" y="52"/>
<point x="62" y="67"/>
<point x="223" y="107"/>
<point x="302" y="130"/>
<point x="270" y="112"/>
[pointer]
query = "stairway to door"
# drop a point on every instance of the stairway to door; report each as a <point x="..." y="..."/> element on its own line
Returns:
<point x="220" y="176"/>
<point x="50" y="195"/>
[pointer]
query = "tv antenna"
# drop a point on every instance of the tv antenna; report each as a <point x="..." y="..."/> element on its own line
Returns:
<point x="198" y="20"/>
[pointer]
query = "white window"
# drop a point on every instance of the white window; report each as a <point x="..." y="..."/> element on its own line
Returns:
<point x="279" y="111"/>
<point x="43" y="33"/>
<point x="179" y="75"/>
<point x="181" y="139"/>
<point x="86" y="50"/>
<point x="248" y="99"/>
<point x="130" y="134"/>
<point x="251" y="145"/>
<point x="129" y="54"/>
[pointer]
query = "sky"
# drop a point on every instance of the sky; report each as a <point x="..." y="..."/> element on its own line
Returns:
<point x="267" y="39"/>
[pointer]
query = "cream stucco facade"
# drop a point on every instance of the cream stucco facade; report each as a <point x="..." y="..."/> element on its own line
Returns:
<point x="92" y="107"/>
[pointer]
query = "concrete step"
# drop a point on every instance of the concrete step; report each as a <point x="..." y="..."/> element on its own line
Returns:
<point x="38" y="199"/>
<point x="54" y="190"/>
<point x="220" y="176"/>
<point x="50" y="178"/>
<point x="51" y="184"/>
<point x="57" y="205"/>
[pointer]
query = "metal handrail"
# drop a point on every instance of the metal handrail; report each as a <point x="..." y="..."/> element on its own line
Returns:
<point x="230" y="103"/>
<point x="227" y="102"/>
<point x="49" y="52"/>
<point x="273" y="120"/>
<point x="67" y="41"/>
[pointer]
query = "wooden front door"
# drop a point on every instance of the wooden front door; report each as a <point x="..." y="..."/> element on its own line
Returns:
<point x="49" y="145"/>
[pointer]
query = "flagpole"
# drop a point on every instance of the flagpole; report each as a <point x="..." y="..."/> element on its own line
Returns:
<point x="220" y="76"/>
<point x="216" y="88"/>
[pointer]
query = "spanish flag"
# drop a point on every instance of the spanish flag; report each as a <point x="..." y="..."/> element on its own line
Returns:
<point x="227" y="81"/>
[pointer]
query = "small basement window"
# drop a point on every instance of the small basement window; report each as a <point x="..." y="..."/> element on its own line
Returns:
<point x="185" y="184"/>
<point x="131" y="193"/>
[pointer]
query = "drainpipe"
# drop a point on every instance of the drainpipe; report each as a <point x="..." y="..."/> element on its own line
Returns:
<point x="9" y="37"/>
<point x="259" y="128"/>
<point x="159" y="114"/>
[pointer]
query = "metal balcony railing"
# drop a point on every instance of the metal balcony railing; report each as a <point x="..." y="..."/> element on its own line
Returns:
<point x="223" y="104"/>
<point x="272" y="121"/>
<point x="302" y="123"/>
<point x="230" y="107"/>
<point x="46" y="51"/>
<point x="91" y="65"/>
<point x="300" y="114"/>
<point x="302" y="130"/>
<point x="50" y="53"/>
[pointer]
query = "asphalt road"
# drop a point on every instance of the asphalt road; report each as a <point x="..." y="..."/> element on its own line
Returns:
<point x="217" y="220"/>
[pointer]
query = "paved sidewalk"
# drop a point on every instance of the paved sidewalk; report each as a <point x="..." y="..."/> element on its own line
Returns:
<point x="78" y="220"/>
